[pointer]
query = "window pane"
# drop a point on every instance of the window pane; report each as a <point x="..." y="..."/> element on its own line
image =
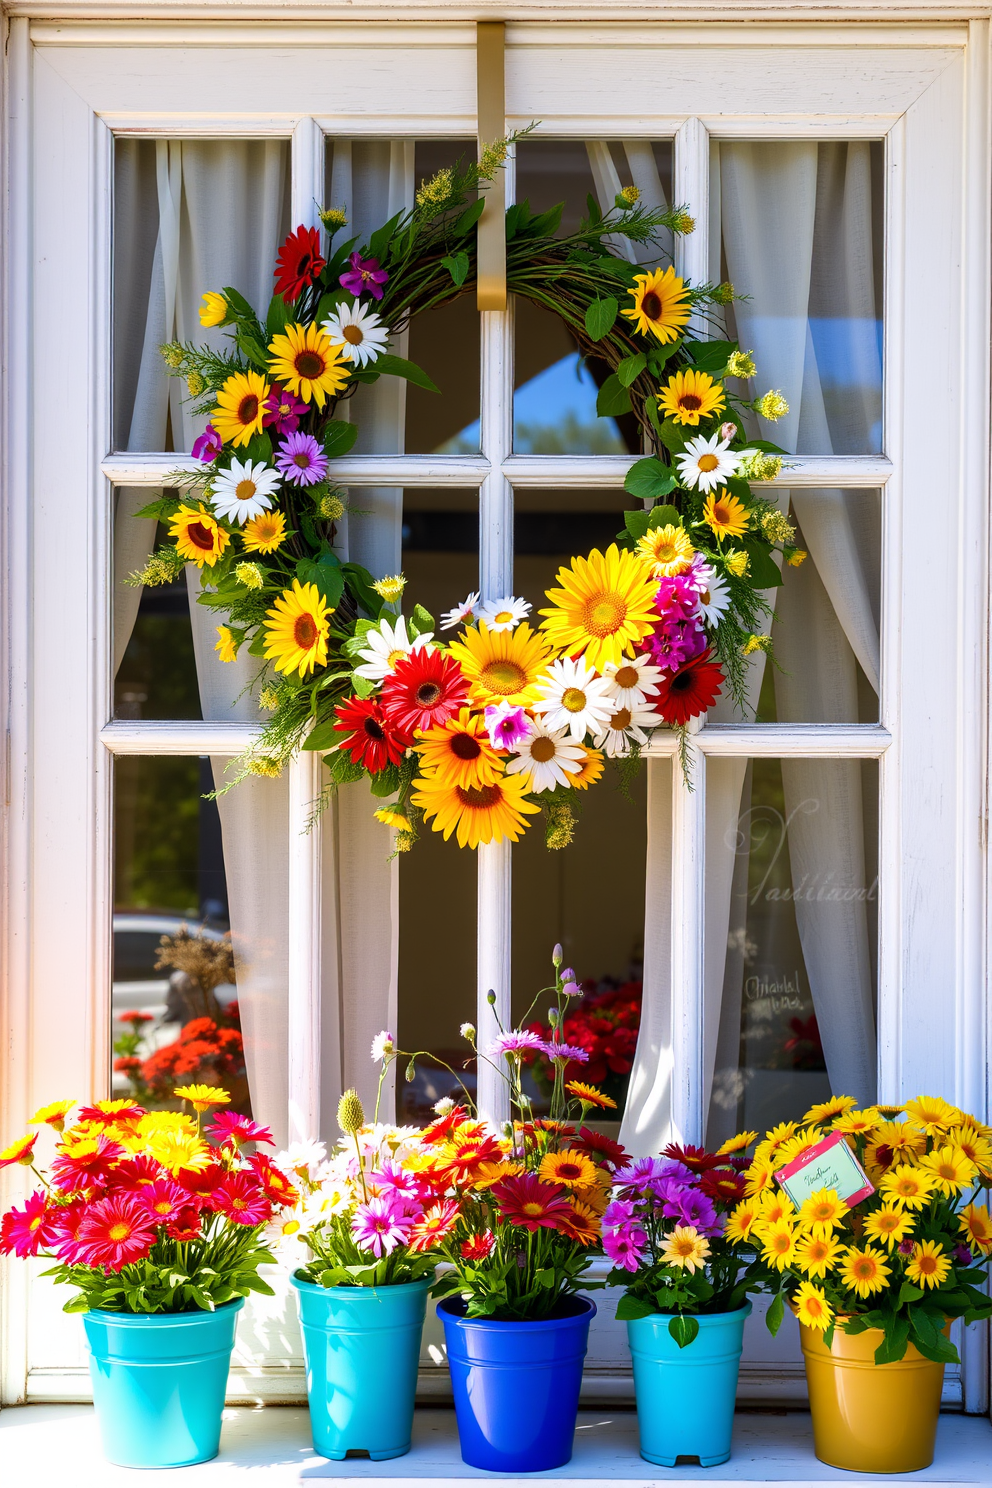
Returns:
<point x="791" y="940"/>
<point x="798" y="228"/>
<point x="554" y="406"/>
<point x="156" y="672"/>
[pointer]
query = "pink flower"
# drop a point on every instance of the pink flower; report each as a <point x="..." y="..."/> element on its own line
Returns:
<point x="301" y="460"/>
<point x="163" y="1199"/>
<point x="565" y="1053"/>
<point x="27" y="1231"/>
<point x="514" y="1042"/>
<point x="508" y="725"/>
<point x="381" y="1225"/>
<point x="115" y="1232"/>
<point x="364" y="274"/>
<point x="283" y="411"/>
<point x="241" y="1198"/>
<point x="676" y="642"/>
<point x="229" y="1127"/>
<point x="67" y="1220"/>
<point x="393" y="1181"/>
<point x="207" y="448"/>
<point x="625" y="1248"/>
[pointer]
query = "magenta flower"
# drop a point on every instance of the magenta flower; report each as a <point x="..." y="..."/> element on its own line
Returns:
<point x="566" y="1053"/>
<point x="646" y="1175"/>
<point x="301" y="460"/>
<point x="618" y="1214"/>
<point x="228" y="1126"/>
<point x="514" y="1042"/>
<point x="676" y="642"/>
<point x="677" y="598"/>
<point x="381" y="1225"/>
<point x="283" y="411"/>
<point x="508" y="725"/>
<point x="364" y="274"/>
<point x="693" y="1208"/>
<point x="626" y="1248"/>
<point x="208" y="446"/>
<point x="395" y="1182"/>
<point x="28" y="1230"/>
<point x="241" y="1198"/>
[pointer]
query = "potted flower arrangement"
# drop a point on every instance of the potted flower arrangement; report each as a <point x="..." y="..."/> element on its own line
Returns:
<point x="685" y="1303"/>
<point x="158" y="1227"/>
<point x="517" y="1220"/>
<point x="874" y="1276"/>
<point x="370" y="1223"/>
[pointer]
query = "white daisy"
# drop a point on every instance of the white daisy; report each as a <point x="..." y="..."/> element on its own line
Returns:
<point x="714" y="595"/>
<point x="625" y="725"/>
<point x="244" y="490"/>
<point x="504" y="614"/>
<point x="385" y="645"/>
<point x="359" y="331"/>
<point x="707" y="463"/>
<point x="632" y="682"/>
<point x="546" y="759"/>
<point x="461" y="613"/>
<point x="572" y="696"/>
<point x="302" y="1158"/>
<point x="382" y="1044"/>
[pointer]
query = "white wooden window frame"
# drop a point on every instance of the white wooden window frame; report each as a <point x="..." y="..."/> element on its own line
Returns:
<point x="72" y="85"/>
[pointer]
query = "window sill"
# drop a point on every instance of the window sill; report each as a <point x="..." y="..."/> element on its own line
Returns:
<point x="49" y="1445"/>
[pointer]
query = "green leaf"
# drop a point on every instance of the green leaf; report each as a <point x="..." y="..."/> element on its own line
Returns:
<point x="379" y="241"/>
<point x="613" y="399"/>
<point x="469" y="217"/>
<point x="775" y="1313"/>
<point x="279" y="316"/>
<point x="637" y="523"/>
<point x="457" y="265"/>
<point x="240" y="305"/>
<point x="763" y="571"/>
<point x="252" y="349"/>
<point x="386" y="782"/>
<point x="338" y="437"/>
<point x="663" y="516"/>
<point x="648" y="479"/>
<point x="631" y="368"/>
<point x="79" y="1303"/>
<point x="659" y="356"/>
<point x="600" y="318"/>
<point x="629" y="1308"/>
<point x="420" y="622"/>
<point x="324" y="736"/>
<point x="672" y="436"/>
<point x="683" y="1329"/>
<point x="709" y="356"/>
<point x="325" y="572"/>
<point x="394" y="366"/>
<point x="343" y="771"/>
<point x="909" y="1293"/>
<point x="364" y="686"/>
<point x="926" y="1328"/>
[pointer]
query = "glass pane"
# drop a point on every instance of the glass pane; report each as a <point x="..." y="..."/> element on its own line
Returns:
<point x="176" y="1017"/>
<point x="791" y="939"/>
<point x="554" y="406"/>
<point x="551" y="527"/>
<point x="798" y="228"/>
<point x="156" y="675"/>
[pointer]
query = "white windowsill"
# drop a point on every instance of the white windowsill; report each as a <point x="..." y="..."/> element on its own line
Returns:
<point x="50" y="1446"/>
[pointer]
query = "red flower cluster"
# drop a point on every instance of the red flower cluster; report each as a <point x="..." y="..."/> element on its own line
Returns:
<point x="204" y="1053"/>
<point x="605" y="1024"/>
<point x="298" y="263"/>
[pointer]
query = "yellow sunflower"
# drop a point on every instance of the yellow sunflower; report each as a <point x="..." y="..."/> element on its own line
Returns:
<point x="589" y="770"/>
<point x="459" y="751"/>
<point x="691" y="396"/>
<point x="906" y="1187"/>
<point x="816" y="1254"/>
<point x="213" y="311"/>
<point x="812" y="1308"/>
<point x="666" y="550"/>
<point x="950" y="1169"/>
<point x="686" y="1248"/>
<point x="932" y="1114"/>
<point x="296" y="629"/>
<point x="486" y="813"/>
<point x="240" y="406"/>
<point x="307" y="362"/>
<point x="974" y="1146"/>
<point x="928" y="1265"/>
<point x="864" y="1271"/>
<point x="828" y="1109"/>
<point x="740" y="1143"/>
<point x="888" y="1225"/>
<point x="568" y="1167"/>
<point x="740" y="1221"/>
<point x="661" y="304"/>
<point x="857" y="1123"/>
<point x="391" y="818"/>
<point x="502" y="664"/>
<point x="725" y="514"/>
<point x="225" y="644"/>
<point x="778" y="1244"/>
<point x="264" y="533"/>
<point x="199" y="537"/>
<point x="976" y="1226"/>
<point x="604" y="608"/>
<point x="822" y="1212"/>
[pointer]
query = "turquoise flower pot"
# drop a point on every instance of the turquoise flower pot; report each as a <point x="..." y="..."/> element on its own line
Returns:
<point x="159" y="1381"/>
<point x="685" y="1397"/>
<point x="362" y="1348"/>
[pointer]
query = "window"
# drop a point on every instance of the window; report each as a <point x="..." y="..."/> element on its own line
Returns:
<point x="839" y="177"/>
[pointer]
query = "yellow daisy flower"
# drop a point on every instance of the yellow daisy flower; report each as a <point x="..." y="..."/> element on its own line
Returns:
<point x="589" y="1095"/>
<point x="264" y="533"/>
<point x="837" y="1105"/>
<point x="950" y="1170"/>
<point x="778" y="1244"/>
<point x="202" y="1097"/>
<point x="296" y="629"/>
<point x="864" y="1271"/>
<point x="725" y="514"/>
<point x="661" y="304"/>
<point x="893" y="1142"/>
<point x="502" y="664"/>
<point x="604" y="608"/>
<point x="225" y="645"/>
<point x="199" y="537"/>
<point x="932" y="1114"/>
<point x="590" y="769"/>
<point x="776" y="1206"/>
<point x="976" y="1225"/>
<point x="772" y="1140"/>
<point x="740" y="1143"/>
<point x="240" y="407"/>
<point x="759" y="1176"/>
<point x="817" y="1254"/>
<point x="794" y="1146"/>
<point x="741" y="1220"/>
<point x="909" y="1188"/>
<point x="974" y="1145"/>
<point x="21" y="1151"/>
<point x="666" y="550"/>
<point x="307" y="362"/>
<point x="857" y="1123"/>
<point x="567" y="1167"/>
<point x="687" y="1248"/>
<point x="888" y="1225"/>
<point x="928" y="1265"/>
<point x="213" y="311"/>
<point x="390" y="818"/>
<point x="459" y="752"/>
<point x="690" y="396"/>
<point x="179" y="1151"/>
<point x="823" y="1212"/>
<point x="812" y="1308"/>
<point x="487" y="813"/>
<point x="52" y="1115"/>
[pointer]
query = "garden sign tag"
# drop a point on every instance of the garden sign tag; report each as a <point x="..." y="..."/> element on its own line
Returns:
<point x="830" y="1164"/>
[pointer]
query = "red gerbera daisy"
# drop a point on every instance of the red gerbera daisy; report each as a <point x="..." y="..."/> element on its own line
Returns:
<point x="298" y="263"/>
<point x="84" y="1163"/>
<point x="204" y="1184"/>
<point x="723" y="1183"/>
<point x="28" y="1230"/>
<point x="185" y="1226"/>
<point x="462" y="1165"/>
<point x="690" y="691"/>
<point x="434" y="1224"/>
<point x="373" y="741"/>
<point x="426" y="687"/>
<point x="478" y="1247"/>
<point x="229" y="1127"/>
<point x="600" y="1148"/>
<point x="278" y="1189"/>
<point x="116" y="1231"/>
<point x="695" y="1158"/>
<point x="163" y="1199"/>
<point x="137" y="1171"/>
<point x="241" y="1198"/>
<point x="441" y="1130"/>
<point x="528" y="1202"/>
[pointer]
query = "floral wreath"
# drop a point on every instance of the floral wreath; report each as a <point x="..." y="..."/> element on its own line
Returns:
<point x="477" y="733"/>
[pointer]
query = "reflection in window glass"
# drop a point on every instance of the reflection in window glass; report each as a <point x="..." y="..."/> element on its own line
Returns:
<point x="554" y="406"/>
<point x="791" y="947"/>
<point x="797" y="227"/>
<point x="175" y="1001"/>
<point x="156" y="677"/>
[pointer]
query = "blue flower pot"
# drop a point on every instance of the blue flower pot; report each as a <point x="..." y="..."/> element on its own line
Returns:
<point x="362" y="1348"/>
<point x="516" y="1385"/>
<point x="685" y="1397"/>
<point x="159" y="1381"/>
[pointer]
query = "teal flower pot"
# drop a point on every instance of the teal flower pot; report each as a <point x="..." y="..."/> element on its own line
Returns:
<point x="159" y="1381"/>
<point x="685" y="1397"/>
<point x="362" y="1348"/>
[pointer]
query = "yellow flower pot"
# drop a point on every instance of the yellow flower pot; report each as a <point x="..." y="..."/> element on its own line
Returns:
<point x="868" y="1417"/>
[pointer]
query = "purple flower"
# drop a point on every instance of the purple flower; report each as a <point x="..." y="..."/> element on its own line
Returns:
<point x="618" y="1214"/>
<point x="283" y="410"/>
<point x="394" y="1182"/>
<point x="568" y="975"/>
<point x="906" y="1247"/>
<point x="364" y="274"/>
<point x="571" y="989"/>
<point x="381" y="1225"/>
<point x="693" y="1208"/>
<point x="675" y="642"/>
<point x="642" y="1175"/>
<point x="626" y="1249"/>
<point x="677" y="598"/>
<point x="566" y="1053"/>
<point x="208" y="446"/>
<point x="301" y="460"/>
<point x="508" y="725"/>
<point x="962" y="1255"/>
<point x="514" y="1042"/>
